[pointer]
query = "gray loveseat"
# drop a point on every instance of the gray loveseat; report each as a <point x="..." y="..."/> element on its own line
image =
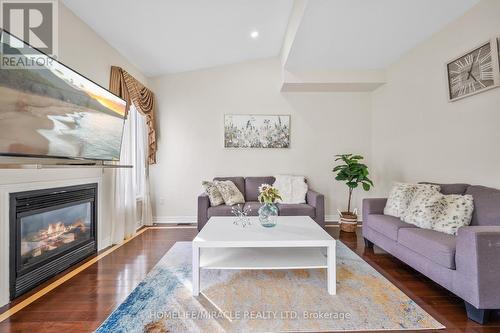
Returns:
<point x="249" y="187"/>
<point x="467" y="264"/>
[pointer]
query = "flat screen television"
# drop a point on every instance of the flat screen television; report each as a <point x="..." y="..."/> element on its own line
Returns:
<point x="53" y="111"/>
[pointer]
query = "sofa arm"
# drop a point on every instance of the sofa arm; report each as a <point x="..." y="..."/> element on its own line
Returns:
<point x="317" y="200"/>
<point x="373" y="206"/>
<point x="203" y="204"/>
<point x="478" y="266"/>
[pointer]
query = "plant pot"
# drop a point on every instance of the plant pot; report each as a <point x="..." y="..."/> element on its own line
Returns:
<point x="348" y="222"/>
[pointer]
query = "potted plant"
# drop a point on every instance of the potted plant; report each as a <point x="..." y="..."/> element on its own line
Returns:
<point x="268" y="212"/>
<point x="353" y="173"/>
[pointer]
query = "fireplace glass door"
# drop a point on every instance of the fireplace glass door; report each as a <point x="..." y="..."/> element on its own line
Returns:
<point x="46" y="234"/>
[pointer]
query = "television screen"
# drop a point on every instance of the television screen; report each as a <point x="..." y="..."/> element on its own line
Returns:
<point x="50" y="110"/>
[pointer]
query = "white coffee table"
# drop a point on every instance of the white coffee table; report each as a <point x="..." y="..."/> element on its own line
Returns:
<point x="296" y="242"/>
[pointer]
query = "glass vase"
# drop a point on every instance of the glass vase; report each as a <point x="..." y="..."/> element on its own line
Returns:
<point x="268" y="215"/>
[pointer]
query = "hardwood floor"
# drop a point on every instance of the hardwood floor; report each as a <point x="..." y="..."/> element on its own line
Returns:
<point x="83" y="302"/>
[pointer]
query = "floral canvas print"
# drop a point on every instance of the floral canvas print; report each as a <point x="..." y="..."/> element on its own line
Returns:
<point x="256" y="131"/>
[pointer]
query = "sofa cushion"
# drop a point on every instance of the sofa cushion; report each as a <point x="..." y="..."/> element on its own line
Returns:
<point x="229" y="192"/>
<point x="422" y="210"/>
<point x="254" y="207"/>
<point x="401" y="196"/>
<point x="486" y="205"/>
<point x="252" y="186"/>
<point x="222" y="210"/>
<point x="296" y="210"/>
<point x="454" y="211"/>
<point x="386" y="225"/>
<point x="441" y="212"/>
<point x="213" y="193"/>
<point x="292" y="189"/>
<point x="238" y="181"/>
<point x="450" y="188"/>
<point x="435" y="246"/>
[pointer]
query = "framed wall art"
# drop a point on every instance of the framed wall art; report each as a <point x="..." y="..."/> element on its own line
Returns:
<point x="256" y="131"/>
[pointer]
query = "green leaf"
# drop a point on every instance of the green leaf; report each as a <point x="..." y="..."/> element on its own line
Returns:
<point x="348" y="169"/>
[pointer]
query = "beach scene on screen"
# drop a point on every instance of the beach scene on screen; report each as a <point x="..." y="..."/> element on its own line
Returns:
<point x="52" y="110"/>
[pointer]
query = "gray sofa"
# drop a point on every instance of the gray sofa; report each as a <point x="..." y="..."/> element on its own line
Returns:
<point x="249" y="187"/>
<point x="467" y="264"/>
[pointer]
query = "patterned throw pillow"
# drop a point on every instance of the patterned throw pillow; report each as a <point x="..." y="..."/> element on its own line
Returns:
<point x="213" y="193"/>
<point x="229" y="192"/>
<point x="439" y="212"/>
<point x="401" y="196"/>
<point x="453" y="211"/>
<point x="422" y="209"/>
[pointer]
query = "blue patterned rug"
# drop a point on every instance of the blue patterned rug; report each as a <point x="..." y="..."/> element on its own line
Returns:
<point x="265" y="301"/>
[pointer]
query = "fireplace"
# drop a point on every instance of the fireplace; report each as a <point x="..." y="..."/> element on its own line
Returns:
<point x="50" y="230"/>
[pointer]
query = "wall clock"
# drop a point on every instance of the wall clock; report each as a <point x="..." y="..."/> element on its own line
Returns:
<point x="474" y="72"/>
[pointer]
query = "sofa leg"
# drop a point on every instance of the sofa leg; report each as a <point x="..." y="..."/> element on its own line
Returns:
<point x="368" y="244"/>
<point x="480" y="316"/>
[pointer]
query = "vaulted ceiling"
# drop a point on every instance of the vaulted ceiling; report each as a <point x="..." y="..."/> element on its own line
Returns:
<point x="168" y="36"/>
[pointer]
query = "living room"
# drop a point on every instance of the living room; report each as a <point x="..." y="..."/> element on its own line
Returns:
<point x="282" y="165"/>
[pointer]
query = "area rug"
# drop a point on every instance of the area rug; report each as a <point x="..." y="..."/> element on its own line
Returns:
<point x="265" y="301"/>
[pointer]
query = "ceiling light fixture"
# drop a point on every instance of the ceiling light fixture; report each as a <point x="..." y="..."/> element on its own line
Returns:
<point x="254" y="34"/>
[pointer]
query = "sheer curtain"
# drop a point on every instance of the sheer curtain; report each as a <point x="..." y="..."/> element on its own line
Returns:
<point x="144" y="213"/>
<point x="132" y="205"/>
<point x="124" y="201"/>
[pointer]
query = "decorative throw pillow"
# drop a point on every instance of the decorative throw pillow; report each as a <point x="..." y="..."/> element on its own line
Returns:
<point x="422" y="209"/>
<point x="229" y="192"/>
<point x="213" y="193"/>
<point x="443" y="213"/>
<point x="453" y="211"/>
<point x="292" y="189"/>
<point x="401" y="196"/>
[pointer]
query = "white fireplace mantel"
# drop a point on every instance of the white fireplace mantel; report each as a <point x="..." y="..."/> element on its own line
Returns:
<point x="29" y="184"/>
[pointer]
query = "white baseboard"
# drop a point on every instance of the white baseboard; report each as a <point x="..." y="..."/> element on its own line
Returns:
<point x="175" y="219"/>
<point x="331" y="218"/>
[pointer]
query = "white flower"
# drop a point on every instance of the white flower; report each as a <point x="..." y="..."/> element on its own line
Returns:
<point x="263" y="187"/>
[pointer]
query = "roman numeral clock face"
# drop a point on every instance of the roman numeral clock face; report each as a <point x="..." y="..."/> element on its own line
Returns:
<point x="471" y="73"/>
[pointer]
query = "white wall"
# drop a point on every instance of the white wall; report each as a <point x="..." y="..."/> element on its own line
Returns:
<point x="419" y="135"/>
<point x="191" y="107"/>
<point x="86" y="52"/>
<point x="83" y="50"/>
